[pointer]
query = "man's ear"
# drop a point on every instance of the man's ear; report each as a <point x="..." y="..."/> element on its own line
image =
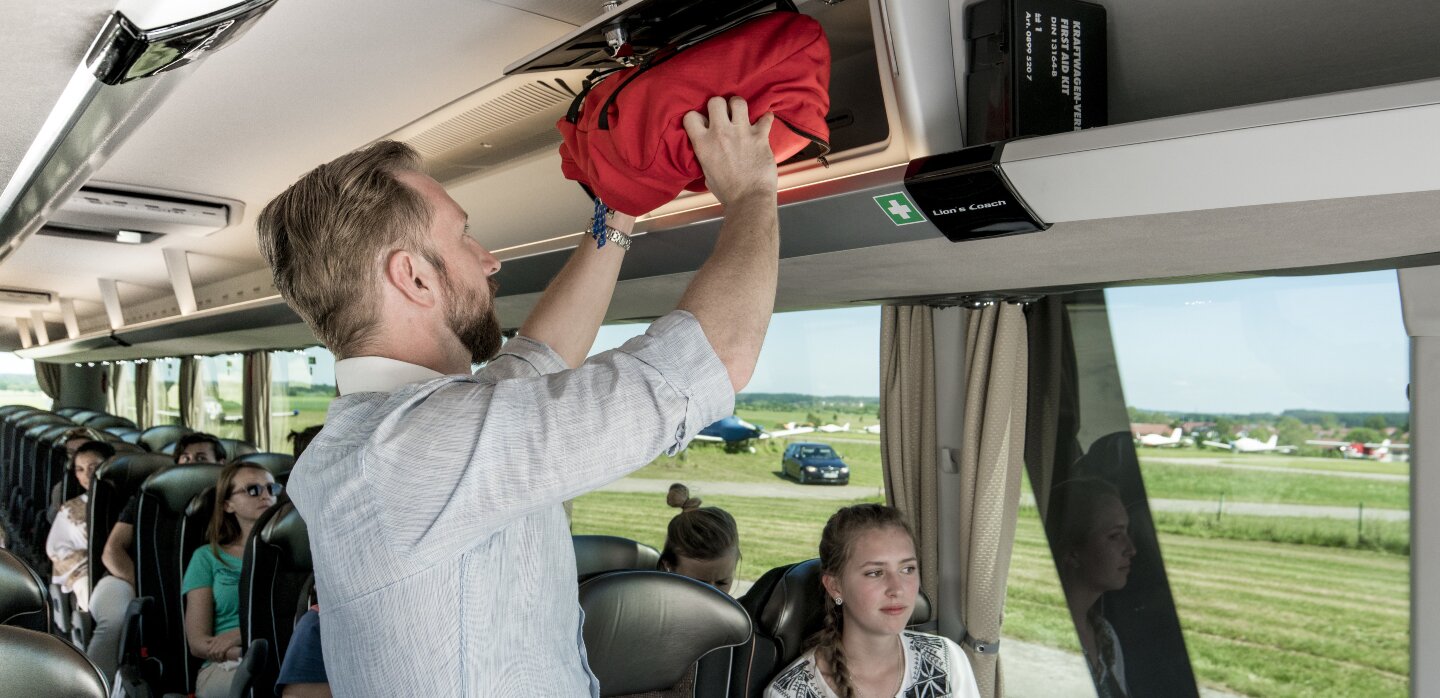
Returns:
<point x="412" y="276"/>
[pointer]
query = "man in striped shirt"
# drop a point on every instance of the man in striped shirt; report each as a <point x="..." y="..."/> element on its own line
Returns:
<point x="433" y="496"/>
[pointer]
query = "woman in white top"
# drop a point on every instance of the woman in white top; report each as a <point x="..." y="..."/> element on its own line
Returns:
<point x="68" y="543"/>
<point x="871" y="578"/>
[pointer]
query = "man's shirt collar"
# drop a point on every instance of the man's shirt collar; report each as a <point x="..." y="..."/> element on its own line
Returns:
<point x="377" y="374"/>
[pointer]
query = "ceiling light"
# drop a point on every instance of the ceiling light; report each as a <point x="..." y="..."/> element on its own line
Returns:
<point x="129" y="237"/>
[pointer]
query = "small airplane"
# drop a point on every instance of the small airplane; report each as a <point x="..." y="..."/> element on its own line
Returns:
<point x="1246" y="444"/>
<point x="832" y="429"/>
<point x="1160" y="440"/>
<point x="872" y="429"/>
<point x="1382" y="451"/>
<point x="734" y="430"/>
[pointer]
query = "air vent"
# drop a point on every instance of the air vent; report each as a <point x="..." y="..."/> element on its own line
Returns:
<point x="101" y="209"/>
<point x="25" y="296"/>
<point x="488" y="128"/>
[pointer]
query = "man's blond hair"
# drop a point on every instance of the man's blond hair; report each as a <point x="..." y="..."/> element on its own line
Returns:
<point x="327" y="236"/>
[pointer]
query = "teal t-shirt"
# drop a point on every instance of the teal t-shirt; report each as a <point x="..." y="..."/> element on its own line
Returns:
<point x="223" y="577"/>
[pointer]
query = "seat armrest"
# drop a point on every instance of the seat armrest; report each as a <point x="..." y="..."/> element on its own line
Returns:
<point x="256" y="655"/>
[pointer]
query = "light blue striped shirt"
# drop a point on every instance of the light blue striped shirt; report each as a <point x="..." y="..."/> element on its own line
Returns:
<point x="442" y="552"/>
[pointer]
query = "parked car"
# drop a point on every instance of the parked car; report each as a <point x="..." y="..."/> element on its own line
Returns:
<point x="812" y="463"/>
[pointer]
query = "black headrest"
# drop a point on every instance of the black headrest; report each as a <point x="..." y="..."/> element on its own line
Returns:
<point x="47" y="430"/>
<point x="35" y="418"/>
<point x="129" y="436"/>
<point x="126" y="448"/>
<point x="24" y="598"/>
<point x="235" y="448"/>
<point x="109" y="421"/>
<point x="279" y="464"/>
<point x="287" y="534"/>
<point x="7" y="410"/>
<point x="645" y="630"/>
<point x="155" y="438"/>
<point x="40" y="664"/>
<point x="599" y="554"/>
<point x="794" y="608"/>
<point x="175" y="487"/>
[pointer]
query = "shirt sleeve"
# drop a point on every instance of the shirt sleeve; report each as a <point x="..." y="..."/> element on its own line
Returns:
<point x="522" y="357"/>
<point x="462" y="457"/>
<point x="304" y="662"/>
<point x="200" y="573"/>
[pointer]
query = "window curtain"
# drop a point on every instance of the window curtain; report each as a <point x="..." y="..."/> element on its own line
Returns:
<point x="192" y="401"/>
<point x="48" y="376"/>
<point x="991" y="460"/>
<point x="907" y="427"/>
<point x="1053" y="426"/>
<point x="257" y="399"/>
<point x="112" y="395"/>
<point x="144" y="418"/>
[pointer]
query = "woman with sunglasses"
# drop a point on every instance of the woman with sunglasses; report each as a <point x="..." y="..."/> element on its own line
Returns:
<point x="212" y="580"/>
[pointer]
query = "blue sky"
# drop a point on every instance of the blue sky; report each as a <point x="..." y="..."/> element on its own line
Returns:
<point x="1261" y="345"/>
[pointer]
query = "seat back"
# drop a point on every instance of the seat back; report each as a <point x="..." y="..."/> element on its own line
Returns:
<point x="788" y="604"/>
<point x="68" y="411"/>
<point x="108" y="421"/>
<point x="83" y="416"/>
<point x="24" y="596"/>
<point x="117" y="480"/>
<point x="169" y="525"/>
<point x="646" y="630"/>
<point x="129" y="436"/>
<point x="234" y="448"/>
<point x="40" y="664"/>
<point x="273" y="586"/>
<point x="279" y="464"/>
<point x="155" y="439"/>
<point x="596" y="555"/>
<point x="13" y="425"/>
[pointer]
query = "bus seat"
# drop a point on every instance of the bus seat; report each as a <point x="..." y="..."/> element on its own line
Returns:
<point x="788" y="605"/>
<point x="40" y="664"/>
<point x="234" y="448"/>
<point x="279" y="464"/>
<point x="117" y="480"/>
<point x="275" y="584"/>
<point x="170" y="524"/>
<point x="646" y="630"/>
<point x="596" y="555"/>
<point x="84" y="415"/>
<point x="24" y="597"/>
<point x="129" y="436"/>
<point x="155" y="439"/>
<point x="109" y="421"/>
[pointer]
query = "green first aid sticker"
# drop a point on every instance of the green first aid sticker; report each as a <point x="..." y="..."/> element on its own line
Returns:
<point x="898" y="207"/>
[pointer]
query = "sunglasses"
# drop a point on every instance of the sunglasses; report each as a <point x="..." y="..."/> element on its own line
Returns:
<point x="273" y="488"/>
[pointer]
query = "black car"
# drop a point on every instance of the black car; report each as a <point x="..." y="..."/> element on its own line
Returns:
<point x="812" y="463"/>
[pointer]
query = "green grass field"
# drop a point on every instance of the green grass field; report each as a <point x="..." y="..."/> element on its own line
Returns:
<point x="710" y="463"/>
<point x="1270" y="460"/>
<point x="1173" y="481"/>
<point x="25" y="397"/>
<point x="1260" y="618"/>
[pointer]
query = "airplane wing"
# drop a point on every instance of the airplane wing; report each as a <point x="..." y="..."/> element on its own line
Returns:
<point x="703" y="437"/>
<point x="1389" y="446"/>
<point x="1216" y="444"/>
<point x="1332" y="444"/>
<point x="787" y="432"/>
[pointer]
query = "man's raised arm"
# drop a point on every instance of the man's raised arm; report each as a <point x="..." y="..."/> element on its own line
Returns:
<point x="570" y="312"/>
<point x="733" y="294"/>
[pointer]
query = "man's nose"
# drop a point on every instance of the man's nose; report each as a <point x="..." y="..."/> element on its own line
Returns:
<point x="491" y="264"/>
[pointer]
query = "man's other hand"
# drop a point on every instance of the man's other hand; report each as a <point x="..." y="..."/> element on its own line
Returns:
<point x="734" y="153"/>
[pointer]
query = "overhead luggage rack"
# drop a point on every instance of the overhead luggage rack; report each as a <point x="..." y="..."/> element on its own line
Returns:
<point x="628" y="32"/>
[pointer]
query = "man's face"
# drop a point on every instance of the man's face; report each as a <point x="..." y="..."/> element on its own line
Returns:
<point x="467" y="277"/>
<point x="198" y="453"/>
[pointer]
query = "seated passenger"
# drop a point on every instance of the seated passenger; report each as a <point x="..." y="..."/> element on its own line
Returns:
<point x="1091" y="527"/>
<point x="301" y="439"/>
<point x="113" y="593"/>
<point x="871" y="576"/>
<point x="68" y="544"/>
<point x="73" y="440"/>
<point x="212" y="579"/>
<point x="700" y="543"/>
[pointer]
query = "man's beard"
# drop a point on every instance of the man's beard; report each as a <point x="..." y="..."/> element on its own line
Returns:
<point x="473" y="320"/>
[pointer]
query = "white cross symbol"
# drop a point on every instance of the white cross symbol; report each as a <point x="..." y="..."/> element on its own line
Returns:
<point x="899" y="209"/>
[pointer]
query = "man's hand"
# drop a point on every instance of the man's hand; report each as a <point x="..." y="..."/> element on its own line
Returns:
<point x="734" y="153"/>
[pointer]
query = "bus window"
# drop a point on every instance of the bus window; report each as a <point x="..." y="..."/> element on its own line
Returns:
<point x="122" y="390"/>
<point x="302" y="384"/>
<point x="18" y="385"/>
<point x="222" y="395"/>
<point x="164" y="392"/>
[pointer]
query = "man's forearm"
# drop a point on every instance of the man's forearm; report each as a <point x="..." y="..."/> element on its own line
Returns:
<point x="569" y="314"/>
<point x="733" y="294"/>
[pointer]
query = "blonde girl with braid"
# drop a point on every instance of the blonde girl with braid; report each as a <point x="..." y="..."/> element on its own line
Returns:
<point x="871" y="577"/>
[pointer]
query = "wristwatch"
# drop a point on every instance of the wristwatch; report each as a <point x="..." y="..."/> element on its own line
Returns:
<point x="614" y="235"/>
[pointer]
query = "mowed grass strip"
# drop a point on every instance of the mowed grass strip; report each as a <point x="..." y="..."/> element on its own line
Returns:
<point x="707" y="462"/>
<point x="1208" y="482"/>
<point x="1382" y="536"/>
<point x="1271" y="460"/>
<point x="1260" y="618"/>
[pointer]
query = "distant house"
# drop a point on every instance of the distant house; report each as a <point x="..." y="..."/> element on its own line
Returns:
<point x="1140" y="429"/>
<point x="1192" y="427"/>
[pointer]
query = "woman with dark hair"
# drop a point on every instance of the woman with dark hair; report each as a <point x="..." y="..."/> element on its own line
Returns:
<point x="72" y="440"/>
<point x="68" y="544"/>
<point x="701" y="543"/>
<point x="1090" y="530"/>
<point x="211" y="587"/>
<point x="871" y="578"/>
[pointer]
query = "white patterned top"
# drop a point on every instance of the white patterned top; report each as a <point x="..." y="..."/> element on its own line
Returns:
<point x="442" y="552"/>
<point x="934" y="668"/>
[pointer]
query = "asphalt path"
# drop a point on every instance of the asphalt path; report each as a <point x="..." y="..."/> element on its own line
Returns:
<point x="1220" y="463"/>
<point x="786" y="489"/>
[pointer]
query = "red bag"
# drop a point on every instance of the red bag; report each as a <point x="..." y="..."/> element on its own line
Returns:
<point x="624" y="141"/>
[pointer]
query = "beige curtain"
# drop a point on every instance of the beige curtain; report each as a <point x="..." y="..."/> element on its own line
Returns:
<point x="144" y="418"/>
<point x="907" y="427"/>
<point x="991" y="460"/>
<point x="257" y="399"/>
<point x="48" y="376"/>
<point x="192" y="402"/>
<point x="112" y="395"/>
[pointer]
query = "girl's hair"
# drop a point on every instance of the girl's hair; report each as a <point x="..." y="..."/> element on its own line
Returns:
<point x="697" y="533"/>
<point x="836" y="543"/>
<point x="224" y="526"/>
<point x="301" y="439"/>
<point x="1074" y="506"/>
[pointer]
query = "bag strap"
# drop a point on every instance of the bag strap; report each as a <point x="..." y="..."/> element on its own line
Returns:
<point x="573" y="113"/>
